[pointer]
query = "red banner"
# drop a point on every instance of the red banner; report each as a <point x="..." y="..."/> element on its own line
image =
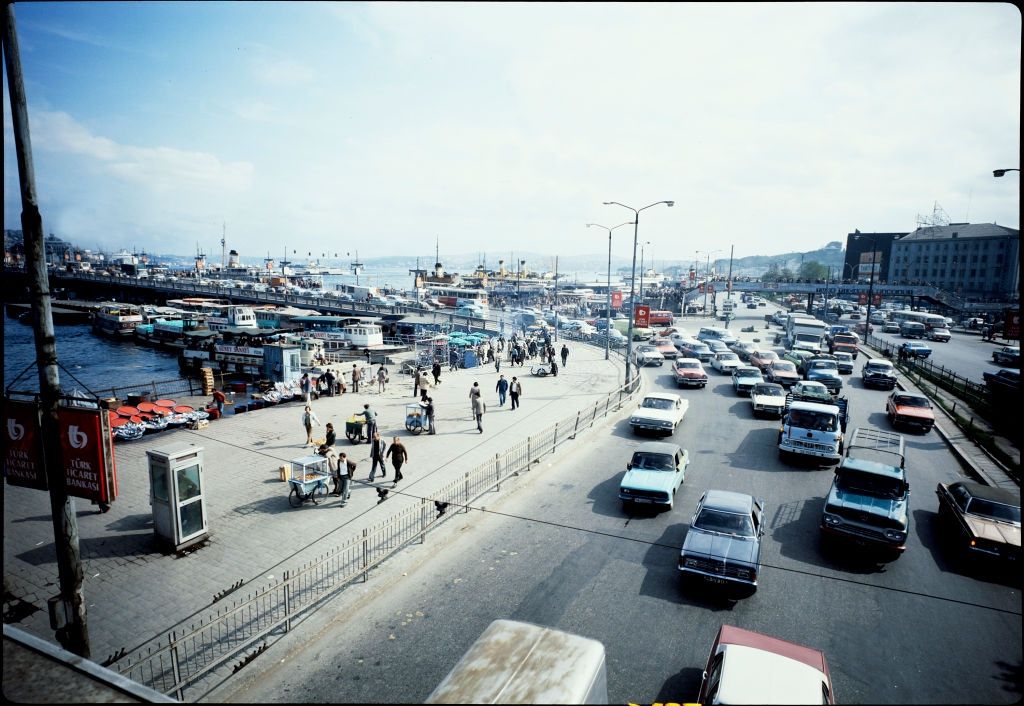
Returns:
<point x="86" y="453"/>
<point x="642" y="316"/>
<point x="1011" y="325"/>
<point x="862" y="298"/>
<point x="23" y="455"/>
<point x="617" y="299"/>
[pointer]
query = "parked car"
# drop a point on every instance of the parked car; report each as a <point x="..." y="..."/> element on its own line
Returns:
<point x="941" y="335"/>
<point x="648" y="355"/>
<point x="1007" y="355"/>
<point x="744" y="378"/>
<point x="761" y="359"/>
<point x="659" y="412"/>
<point x="984" y="519"/>
<point x="654" y="474"/>
<point x="689" y="372"/>
<point x="768" y="398"/>
<point x="725" y="362"/>
<point x="910" y="409"/>
<point x="878" y="372"/>
<point x="783" y="372"/>
<point x="747" y="667"/>
<point x="723" y="544"/>
<point x="844" y="361"/>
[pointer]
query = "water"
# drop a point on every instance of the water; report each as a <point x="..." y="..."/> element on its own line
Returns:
<point x="98" y="362"/>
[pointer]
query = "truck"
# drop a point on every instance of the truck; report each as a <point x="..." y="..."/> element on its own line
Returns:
<point x="845" y="342"/>
<point x="869" y="501"/>
<point x="813" y="423"/>
<point x="805" y="333"/>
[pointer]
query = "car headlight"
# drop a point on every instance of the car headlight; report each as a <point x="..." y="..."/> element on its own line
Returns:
<point x="689" y="562"/>
<point x="832" y="519"/>
<point x="625" y="491"/>
<point x="895" y="535"/>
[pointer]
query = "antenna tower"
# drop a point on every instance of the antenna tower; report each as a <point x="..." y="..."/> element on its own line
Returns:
<point x="938" y="218"/>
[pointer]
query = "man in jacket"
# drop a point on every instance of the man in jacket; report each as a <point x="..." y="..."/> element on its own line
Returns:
<point x="501" y="388"/>
<point x="515" y="389"/>
<point x="377" y="456"/>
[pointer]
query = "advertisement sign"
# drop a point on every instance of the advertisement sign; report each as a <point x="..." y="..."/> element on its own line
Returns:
<point x="86" y="453"/>
<point x="642" y="316"/>
<point x="711" y="288"/>
<point x="616" y="299"/>
<point x="23" y="450"/>
<point x="1011" y="324"/>
<point x="862" y="298"/>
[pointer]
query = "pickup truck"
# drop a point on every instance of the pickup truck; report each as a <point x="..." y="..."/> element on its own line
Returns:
<point x="868" y="503"/>
<point x="813" y="423"/>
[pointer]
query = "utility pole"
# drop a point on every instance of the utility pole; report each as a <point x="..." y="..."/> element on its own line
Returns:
<point x="556" y="299"/>
<point x="74" y="636"/>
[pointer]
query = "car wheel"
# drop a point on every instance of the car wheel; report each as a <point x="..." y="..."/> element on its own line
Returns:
<point x="627" y="506"/>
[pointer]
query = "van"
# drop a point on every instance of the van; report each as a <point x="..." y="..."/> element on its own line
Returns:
<point x="912" y="329"/>
<point x="716" y="333"/>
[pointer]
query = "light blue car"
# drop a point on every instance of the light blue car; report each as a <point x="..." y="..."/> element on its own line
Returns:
<point x="653" y="475"/>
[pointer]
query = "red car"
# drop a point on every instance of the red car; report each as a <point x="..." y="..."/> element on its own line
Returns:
<point x="746" y="667"/>
<point x="910" y="409"/>
<point x="763" y="359"/>
<point x="689" y="372"/>
<point x="782" y="372"/>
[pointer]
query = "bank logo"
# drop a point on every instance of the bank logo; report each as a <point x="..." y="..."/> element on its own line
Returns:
<point x="77" y="439"/>
<point x="14" y="430"/>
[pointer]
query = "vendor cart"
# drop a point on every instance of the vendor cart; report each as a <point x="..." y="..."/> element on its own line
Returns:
<point x="308" y="480"/>
<point x="415" y="417"/>
<point x="354" y="428"/>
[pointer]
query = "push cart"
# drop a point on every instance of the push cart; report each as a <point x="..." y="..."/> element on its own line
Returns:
<point x="308" y="480"/>
<point x="354" y="428"/>
<point x="415" y="418"/>
<point x="541" y="369"/>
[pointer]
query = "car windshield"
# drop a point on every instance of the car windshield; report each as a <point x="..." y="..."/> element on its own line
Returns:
<point x="816" y="421"/>
<point x="870" y="484"/>
<point x="711" y="520"/>
<point x="656" y="403"/>
<point x="879" y="367"/>
<point x="770" y="390"/>
<point x="844" y="356"/>
<point x="747" y="373"/>
<point x="909" y="401"/>
<point x="728" y="356"/>
<point x="688" y="365"/>
<point x="784" y="367"/>
<point x="993" y="510"/>
<point x="652" y="462"/>
<point x="823" y="365"/>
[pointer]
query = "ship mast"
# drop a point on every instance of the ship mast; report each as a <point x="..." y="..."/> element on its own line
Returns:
<point x="223" y="246"/>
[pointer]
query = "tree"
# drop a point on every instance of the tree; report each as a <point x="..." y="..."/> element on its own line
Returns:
<point x="813" y="270"/>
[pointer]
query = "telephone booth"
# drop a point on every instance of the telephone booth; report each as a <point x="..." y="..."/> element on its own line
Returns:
<point x="282" y="362"/>
<point x="177" y="494"/>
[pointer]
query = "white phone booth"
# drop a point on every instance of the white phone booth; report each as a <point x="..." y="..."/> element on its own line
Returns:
<point x="177" y="494"/>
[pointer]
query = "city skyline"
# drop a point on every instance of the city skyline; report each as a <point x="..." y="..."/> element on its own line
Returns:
<point x="331" y="127"/>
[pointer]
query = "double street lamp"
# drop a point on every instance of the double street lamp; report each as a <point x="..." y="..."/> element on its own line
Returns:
<point x="632" y="281"/>
<point x="608" y="303"/>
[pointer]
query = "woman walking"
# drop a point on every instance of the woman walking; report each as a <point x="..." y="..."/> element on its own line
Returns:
<point x="398" y="456"/>
<point x="309" y="418"/>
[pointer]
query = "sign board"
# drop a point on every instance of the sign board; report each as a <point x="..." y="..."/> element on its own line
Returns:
<point x="23" y="450"/>
<point x="87" y="453"/>
<point x="1011" y="324"/>
<point x="711" y="288"/>
<point x="617" y="299"/>
<point x="642" y="316"/>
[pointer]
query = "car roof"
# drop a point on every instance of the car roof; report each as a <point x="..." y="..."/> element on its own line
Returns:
<point x="748" y="368"/>
<point x="658" y="447"/>
<point x="759" y="668"/>
<point x="904" y="395"/>
<point x="880" y="361"/>
<point x="987" y="492"/>
<point x="728" y="501"/>
<point x="811" y="383"/>
<point x="875" y="467"/>
<point x="688" y="360"/>
<point x="662" y="396"/>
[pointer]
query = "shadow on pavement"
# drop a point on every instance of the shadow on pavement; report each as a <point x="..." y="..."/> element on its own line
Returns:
<point x="941" y="540"/>
<point x="750" y="453"/>
<point x="681" y="687"/>
<point x="794" y="522"/>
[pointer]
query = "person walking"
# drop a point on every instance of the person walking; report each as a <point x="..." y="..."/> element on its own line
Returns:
<point x="474" y="394"/>
<point x="430" y="415"/>
<point x="304" y="386"/>
<point x="309" y="418"/>
<point x="346" y="472"/>
<point x="416" y="382"/>
<point x="554" y="367"/>
<point x="332" y="466"/>
<point x="398" y="456"/>
<point x="328" y="379"/>
<point x="436" y="371"/>
<point x="331" y="436"/>
<point x="501" y="388"/>
<point x="356" y="377"/>
<point x="382" y="377"/>
<point x="514" y="390"/>
<point x="368" y="357"/>
<point x="497" y="363"/>
<point x="453" y="360"/>
<point x="565" y="354"/>
<point x="478" y="408"/>
<point x="377" y="457"/>
<point x="371" y="420"/>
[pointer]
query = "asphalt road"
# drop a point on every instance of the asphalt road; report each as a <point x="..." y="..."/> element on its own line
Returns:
<point x="964" y="354"/>
<point x="557" y="549"/>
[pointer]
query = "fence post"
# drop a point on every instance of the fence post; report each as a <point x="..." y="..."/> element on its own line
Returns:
<point x="577" y="428"/>
<point x="175" y="668"/>
<point x="497" y="471"/>
<point x="607" y="404"/>
<point x="529" y="451"/>
<point x="593" y="416"/>
<point x="554" y="442"/>
<point x="465" y="504"/>
<point x="423" y="520"/>
<point x="287" y="601"/>
<point x="366" y="555"/>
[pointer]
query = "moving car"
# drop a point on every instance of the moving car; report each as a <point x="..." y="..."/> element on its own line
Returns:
<point x="910" y="409"/>
<point x="666" y="348"/>
<point x="695" y="349"/>
<point x="915" y="349"/>
<point x="985" y="519"/>
<point x="654" y="474"/>
<point x="783" y="372"/>
<point x="824" y="371"/>
<point x="941" y="335"/>
<point x="725" y="362"/>
<point x="659" y="412"/>
<point x="761" y="359"/>
<point x="747" y="667"/>
<point x="689" y="372"/>
<point x="744" y="378"/>
<point x="798" y="358"/>
<point x="723" y="544"/>
<point x="1007" y="355"/>
<point x="891" y="327"/>
<point x="812" y="391"/>
<point x="1004" y="383"/>
<point x="716" y="346"/>
<point x="878" y="372"/>
<point x="743" y="349"/>
<point x="768" y="398"/>
<point x="648" y="355"/>
<point x="844" y="361"/>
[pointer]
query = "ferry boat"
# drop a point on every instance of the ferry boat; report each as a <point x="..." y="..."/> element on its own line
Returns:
<point x="342" y="332"/>
<point x="117" y="319"/>
<point x="278" y="317"/>
<point x="237" y="352"/>
<point x="170" y="330"/>
<point x="220" y="315"/>
<point x="311" y="350"/>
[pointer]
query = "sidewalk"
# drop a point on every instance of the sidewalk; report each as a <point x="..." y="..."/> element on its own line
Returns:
<point x="135" y="592"/>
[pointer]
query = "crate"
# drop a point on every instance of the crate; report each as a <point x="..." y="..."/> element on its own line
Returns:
<point x="199" y="424"/>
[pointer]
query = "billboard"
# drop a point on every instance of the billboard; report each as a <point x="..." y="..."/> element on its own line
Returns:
<point x="617" y="299"/>
<point x="1011" y="325"/>
<point x="23" y="450"/>
<point x="642" y="316"/>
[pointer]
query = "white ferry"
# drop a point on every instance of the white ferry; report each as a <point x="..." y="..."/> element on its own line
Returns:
<point x="341" y="332"/>
<point x="117" y="319"/>
<point x="220" y="315"/>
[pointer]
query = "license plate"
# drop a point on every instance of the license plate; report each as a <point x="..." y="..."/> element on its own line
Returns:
<point x="712" y="579"/>
<point x="642" y="500"/>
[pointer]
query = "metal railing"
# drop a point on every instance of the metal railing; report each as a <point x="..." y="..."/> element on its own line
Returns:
<point x="165" y="388"/>
<point x="191" y="653"/>
<point x="975" y="394"/>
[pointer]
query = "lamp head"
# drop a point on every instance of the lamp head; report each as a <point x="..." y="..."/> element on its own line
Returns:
<point x="998" y="172"/>
<point x="670" y="203"/>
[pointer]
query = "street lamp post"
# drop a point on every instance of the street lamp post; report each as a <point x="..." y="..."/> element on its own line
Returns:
<point x="608" y="302"/>
<point x="640" y="295"/>
<point x="632" y="282"/>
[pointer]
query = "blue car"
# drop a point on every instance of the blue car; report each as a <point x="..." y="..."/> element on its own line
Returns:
<point x="915" y="349"/>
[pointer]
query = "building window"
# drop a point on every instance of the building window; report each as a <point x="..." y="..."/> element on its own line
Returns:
<point x="974" y="273"/>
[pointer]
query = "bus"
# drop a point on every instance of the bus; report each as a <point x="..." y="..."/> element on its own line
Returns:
<point x="930" y="321"/>
<point x="458" y="296"/>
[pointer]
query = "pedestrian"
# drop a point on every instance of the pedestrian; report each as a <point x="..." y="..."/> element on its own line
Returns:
<point x="514" y="390"/>
<point x="554" y="367"/>
<point x="377" y="457"/>
<point x="382" y="377"/>
<point x="430" y="415"/>
<point x="423" y="386"/>
<point x="371" y="420"/>
<point x="478" y="409"/>
<point x="346" y="472"/>
<point x="501" y="388"/>
<point x="331" y="436"/>
<point x="474" y="394"/>
<point x="218" y="399"/>
<point x="565" y="354"/>
<point x="497" y="363"/>
<point x="453" y="360"/>
<point x="416" y="382"/>
<point x="309" y="418"/>
<point x="328" y="379"/>
<point x="332" y="466"/>
<point x="398" y="456"/>
<point x="304" y="386"/>
<point x="356" y="377"/>
<point x="436" y="370"/>
<point x="368" y="356"/>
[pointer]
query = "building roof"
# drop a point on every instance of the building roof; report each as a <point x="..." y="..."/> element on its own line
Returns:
<point x="962" y="230"/>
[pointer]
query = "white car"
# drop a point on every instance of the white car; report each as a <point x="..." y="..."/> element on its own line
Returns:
<point x="659" y="412"/>
<point x="768" y="398"/>
<point x="726" y="362"/>
<point x="648" y="355"/>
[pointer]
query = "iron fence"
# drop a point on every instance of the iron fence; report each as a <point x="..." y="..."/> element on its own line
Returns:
<point x="165" y="388"/>
<point x="973" y="393"/>
<point x="190" y="653"/>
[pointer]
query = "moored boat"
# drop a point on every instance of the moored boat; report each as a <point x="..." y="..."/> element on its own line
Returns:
<point x="117" y="319"/>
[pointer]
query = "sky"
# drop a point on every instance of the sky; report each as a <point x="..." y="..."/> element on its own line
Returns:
<point x="500" y="127"/>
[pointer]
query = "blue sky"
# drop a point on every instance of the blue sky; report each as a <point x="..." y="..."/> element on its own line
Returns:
<point x="500" y="126"/>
